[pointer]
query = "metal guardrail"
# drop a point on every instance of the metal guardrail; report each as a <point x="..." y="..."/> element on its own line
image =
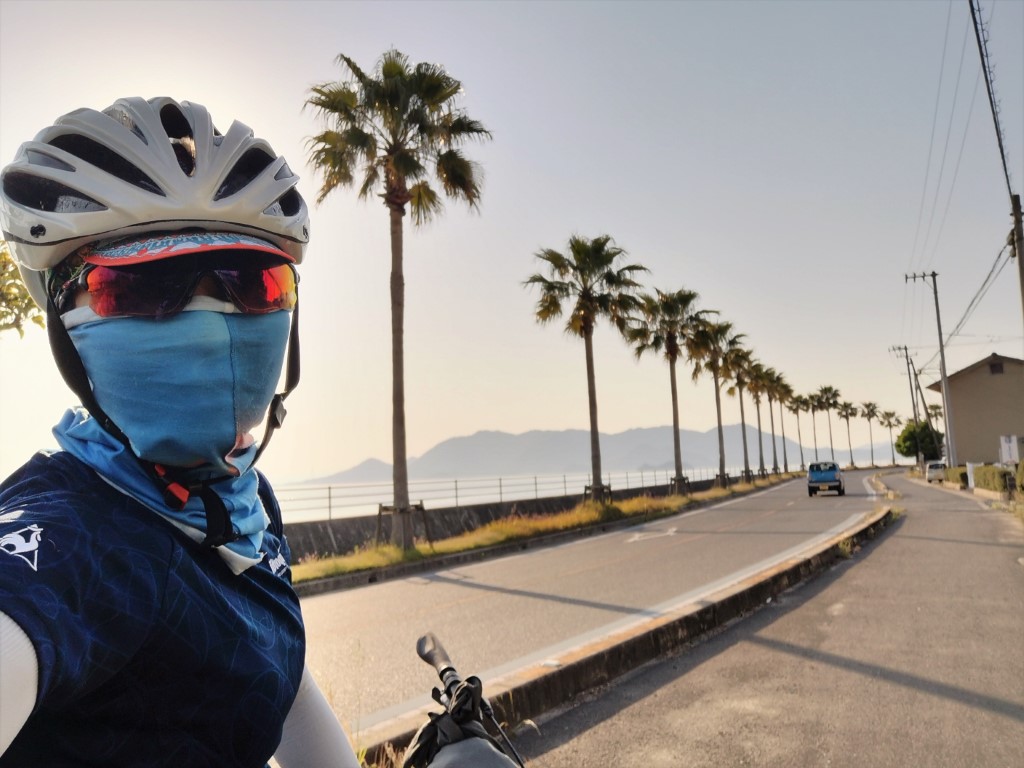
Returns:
<point x="306" y="503"/>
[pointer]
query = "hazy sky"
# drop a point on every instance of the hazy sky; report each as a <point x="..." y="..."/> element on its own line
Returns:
<point x="789" y="161"/>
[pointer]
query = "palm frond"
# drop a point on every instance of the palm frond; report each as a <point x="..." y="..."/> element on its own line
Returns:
<point x="424" y="202"/>
<point x="459" y="176"/>
<point x="405" y="164"/>
<point x="460" y="127"/>
<point x="401" y="122"/>
<point x="371" y="177"/>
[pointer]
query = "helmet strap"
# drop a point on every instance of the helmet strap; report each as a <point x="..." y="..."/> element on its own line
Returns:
<point x="277" y="412"/>
<point x="72" y="370"/>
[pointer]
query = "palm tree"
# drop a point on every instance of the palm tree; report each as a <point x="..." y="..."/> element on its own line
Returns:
<point x="889" y="419"/>
<point x="847" y="411"/>
<point x="783" y="393"/>
<point x="740" y="362"/>
<point x="666" y="322"/>
<point x="396" y="128"/>
<point x="828" y="398"/>
<point x="869" y="411"/>
<point x="814" y="403"/>
<point x="710" y="349"/>
<point x="591" y="277"/>
<point x="796" y="405"/>
<point x="771" y="388"/>
<point x="758" y="386"/>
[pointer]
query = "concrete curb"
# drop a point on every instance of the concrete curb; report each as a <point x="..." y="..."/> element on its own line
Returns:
<point x="530" y="692"/>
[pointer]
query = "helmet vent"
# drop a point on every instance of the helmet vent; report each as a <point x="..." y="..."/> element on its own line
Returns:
<point x="105" y="159"/>
<point x="175" y="123"/>
<point x="185" y="151"/>
<point x="290" y="202"/>
<point x="47" y="195"/>
<point x="36" y="157"/>
<point x="126" y="120"/>
<point x="248" y="167"/>
<point x="284" y="173"/>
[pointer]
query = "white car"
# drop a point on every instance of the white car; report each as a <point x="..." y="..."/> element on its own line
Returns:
<point x="935" y="470"/>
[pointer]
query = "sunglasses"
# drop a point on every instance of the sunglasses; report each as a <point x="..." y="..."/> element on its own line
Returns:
<point x="164" y="287"/>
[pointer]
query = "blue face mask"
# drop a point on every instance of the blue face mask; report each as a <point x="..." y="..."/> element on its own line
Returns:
<point x="186" y="390"/>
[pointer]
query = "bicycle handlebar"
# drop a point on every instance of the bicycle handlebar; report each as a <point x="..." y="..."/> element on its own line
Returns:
<point x="429" y="649"/>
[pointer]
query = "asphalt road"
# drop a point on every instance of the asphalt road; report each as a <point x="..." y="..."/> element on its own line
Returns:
<point x="503" y="614"/>
<point x="909" y="654"/>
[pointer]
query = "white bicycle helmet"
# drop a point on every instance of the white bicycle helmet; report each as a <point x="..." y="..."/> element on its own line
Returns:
<point x="138" y="167"/>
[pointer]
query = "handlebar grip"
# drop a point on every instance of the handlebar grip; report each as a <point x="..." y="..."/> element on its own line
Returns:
<point x="429" y="648"/>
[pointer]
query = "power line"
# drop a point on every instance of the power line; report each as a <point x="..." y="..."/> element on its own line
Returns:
<point x="931" y="142"/>
<point x="956" y="169"/>
<point x="987" y="283"/>
<point x="945" y="147"/>
<point x="981" y="35"/>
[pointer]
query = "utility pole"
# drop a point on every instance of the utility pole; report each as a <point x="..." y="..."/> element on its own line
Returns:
<point x="924" y="405"/>
<point x="913" y="403"/>
<point x="950" y="450"/>
<point x="1017" y="240"/>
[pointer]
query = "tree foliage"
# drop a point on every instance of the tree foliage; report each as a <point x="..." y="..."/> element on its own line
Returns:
<point x="395" y="128"/>
<point x="918" y="435"/>
<point x="16" y="304"/>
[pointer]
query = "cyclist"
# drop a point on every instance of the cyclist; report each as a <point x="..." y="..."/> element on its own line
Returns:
<point x="146" y="610"/>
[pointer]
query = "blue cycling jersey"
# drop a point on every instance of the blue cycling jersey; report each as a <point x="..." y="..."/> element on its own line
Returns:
<point x="151" y="652"/>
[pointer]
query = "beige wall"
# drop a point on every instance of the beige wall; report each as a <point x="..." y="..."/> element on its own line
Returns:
<point x="985" y="406"/>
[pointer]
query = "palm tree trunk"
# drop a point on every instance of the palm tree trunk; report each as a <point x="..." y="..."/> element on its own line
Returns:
<point x="782" y="424"/>
<point x="871" y="439"/>
<point x="743" y="431"/>
<point x="800" y="439"/>
<point x="761" y="472"/>
<point x="595" y="442"/>
<point x="677" y="451"/>
<point x="722" y="480"/>
<point x="775" y="453"/>
<point x="401" y="526"/>
<point x="849" y="442"/>
<point x="831" y="442"/>
<point x="814" y="426"/>
<point x="892" y="447"/>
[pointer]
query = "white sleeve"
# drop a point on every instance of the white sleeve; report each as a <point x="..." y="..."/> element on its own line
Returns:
<point x="19" y="679"/>
<point x="313" y="737"/>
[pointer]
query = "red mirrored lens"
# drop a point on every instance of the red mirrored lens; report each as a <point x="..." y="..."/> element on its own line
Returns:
<point x="158" y="289"/>
<point x="260" y="290"/>
<point x="119" y="292"/>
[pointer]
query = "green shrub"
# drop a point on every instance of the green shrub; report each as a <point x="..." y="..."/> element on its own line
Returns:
<point x="957" y="476"/>
<point x="991" y="478"/>
<point x="1020" y="475"/>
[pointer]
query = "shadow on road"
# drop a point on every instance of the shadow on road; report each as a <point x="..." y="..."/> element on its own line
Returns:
<point x="651" y="682"/>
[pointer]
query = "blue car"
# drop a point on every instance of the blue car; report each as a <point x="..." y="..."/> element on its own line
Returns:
<point x="825" y="476"/>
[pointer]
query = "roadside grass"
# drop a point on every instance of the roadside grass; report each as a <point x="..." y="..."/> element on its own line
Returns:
<point x="519" y="528"/>
<point x="846" y="548"/>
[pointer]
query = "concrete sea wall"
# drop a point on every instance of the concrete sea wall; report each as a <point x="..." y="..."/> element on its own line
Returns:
<point x="325" y="538"/>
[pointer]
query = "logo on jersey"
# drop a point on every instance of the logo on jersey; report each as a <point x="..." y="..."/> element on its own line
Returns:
<point x="23" y="544"/>
<point x="278" y="564"/>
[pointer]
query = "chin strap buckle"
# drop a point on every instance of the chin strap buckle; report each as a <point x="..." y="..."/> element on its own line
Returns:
<point x="175" y="494"/>
<point x="219" y="530"/>
<point x="277" y="411"/>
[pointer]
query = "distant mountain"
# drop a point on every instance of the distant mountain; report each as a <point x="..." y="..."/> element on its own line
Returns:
<point x="544" y="452"/>
<point x="369" y="471"/>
